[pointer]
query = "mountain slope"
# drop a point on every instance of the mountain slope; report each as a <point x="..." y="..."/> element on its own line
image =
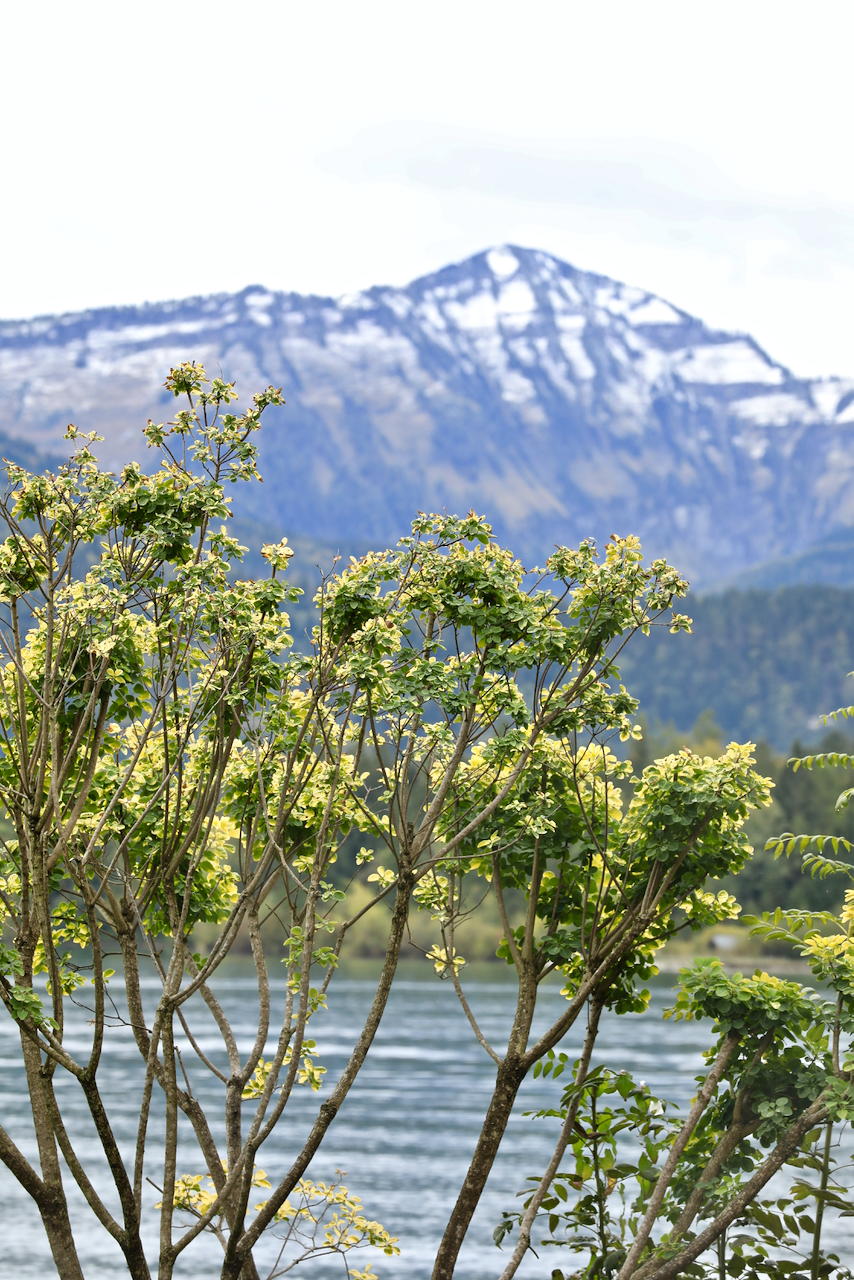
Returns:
<point x="558" y="402"/>
<point x="768" y="664"/>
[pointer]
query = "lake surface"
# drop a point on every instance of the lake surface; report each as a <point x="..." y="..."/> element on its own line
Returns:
<point x="404" y="1136"/>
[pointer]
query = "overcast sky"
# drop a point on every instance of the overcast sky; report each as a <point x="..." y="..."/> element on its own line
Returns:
<point x="701" y="150"/>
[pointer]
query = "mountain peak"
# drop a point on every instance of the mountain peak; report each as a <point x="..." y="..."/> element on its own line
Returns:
<point x="560" y="402"/>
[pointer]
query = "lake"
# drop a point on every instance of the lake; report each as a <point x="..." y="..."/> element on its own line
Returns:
<point x="404" y="1135"/>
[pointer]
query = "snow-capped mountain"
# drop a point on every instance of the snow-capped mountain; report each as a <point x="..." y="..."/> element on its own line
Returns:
<point x="557" y="402"/>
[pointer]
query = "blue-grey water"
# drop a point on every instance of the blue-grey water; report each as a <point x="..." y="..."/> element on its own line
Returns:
<point x="404" y="1135"/>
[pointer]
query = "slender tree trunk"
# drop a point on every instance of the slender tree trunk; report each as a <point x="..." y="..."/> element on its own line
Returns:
<point x="704" y="1097"/>
<point x="720" y="1155"/>
<point x="511" y="1072"/>
<point x="530" y="1214"/>
<point x="819" y="1209"/>
<point x="51" y="1201"/>
<point x="791" y="1139"/>
<point x="54" y="1214"/>
<point x="136" y="1261"/>
<point x="132" y="1243"/>
<point x="509" y="1077"/>
<point x="190" y="1107"/>
<point x="238" y="1248"/>
<point x="53" y="1211"/>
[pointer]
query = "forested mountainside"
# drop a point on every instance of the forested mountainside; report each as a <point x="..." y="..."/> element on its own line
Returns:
<point x="767" y="664"/>
<point x="761" y="666"/>
<point x="558" y="402"/>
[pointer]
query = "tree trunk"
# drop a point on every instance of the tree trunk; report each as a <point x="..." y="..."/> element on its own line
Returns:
<point x="239" y="1247"/>
<point x="51" y="1201"/>
<point x="54" y="1214"/>
<point x="509" y="1077"/>
<point x="814" y="1115"/>
<point x="135" y="1258"/>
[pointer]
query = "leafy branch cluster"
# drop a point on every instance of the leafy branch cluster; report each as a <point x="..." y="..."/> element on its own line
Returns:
<point x="172" y="769"/>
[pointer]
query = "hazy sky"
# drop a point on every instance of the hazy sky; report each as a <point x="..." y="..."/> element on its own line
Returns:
<point x="701" y="150"/>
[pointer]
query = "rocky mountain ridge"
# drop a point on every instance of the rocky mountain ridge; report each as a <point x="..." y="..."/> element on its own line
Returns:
<point x="558" y="402"/>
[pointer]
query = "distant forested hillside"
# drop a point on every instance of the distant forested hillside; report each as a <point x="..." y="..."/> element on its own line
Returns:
<point x="761" y="666"/>
<point x="766" y="663"/>
<point x="803" y="802"/>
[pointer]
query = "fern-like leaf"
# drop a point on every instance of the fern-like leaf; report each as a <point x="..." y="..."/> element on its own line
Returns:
<point x="827" y="760"/>
<point x="847" y="713"/>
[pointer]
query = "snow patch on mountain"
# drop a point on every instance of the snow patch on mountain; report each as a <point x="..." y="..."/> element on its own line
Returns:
<point x="655" y="311"/>
<point x="559" y="402"/>
<point x="727" y="363"/>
